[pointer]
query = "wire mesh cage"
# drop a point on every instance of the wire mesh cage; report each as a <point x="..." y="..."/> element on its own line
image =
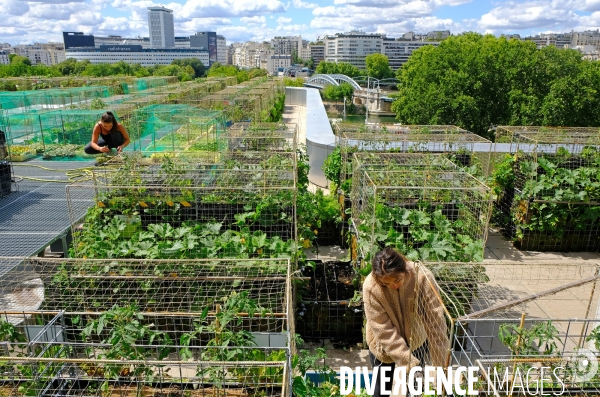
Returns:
<point x="465" y="148"/>
<point x="245" y="206"/>
<point x="241" y="372"/>
<point x="505" y="310"/>
<point x="325" y="309"/>
<point x="231" y="316"/>
<point x="546" y="189"/>
<point x="425" y="213"/>
<point x="256" y="137"/>
<point x="505" y="289"/>
<point x="21" y="330"/>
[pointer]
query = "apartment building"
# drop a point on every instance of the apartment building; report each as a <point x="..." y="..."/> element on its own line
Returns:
<point x="352" y="47"/>
<point x="286" y="45"/>
<point x="559" y="40"/>
<point x="273" y="62"/>
<point x="589" y="37"/>
<point x="41" y="54"/>
<point x="4" y="57"/>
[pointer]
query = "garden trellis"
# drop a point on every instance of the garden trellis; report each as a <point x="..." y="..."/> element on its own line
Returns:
<point x="215" y="325"/>
<point x="431" y="211"/>
<point x="243" y="206"/>
<point x="272" y="137"/>
<point x="547" y="188"/>
<point x="494" y="302"/>
<point x="465" y="148"/>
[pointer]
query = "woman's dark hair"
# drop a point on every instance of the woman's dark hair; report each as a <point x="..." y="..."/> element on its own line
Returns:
<point x="109" y="117"/>
<point x="388" y="261"/>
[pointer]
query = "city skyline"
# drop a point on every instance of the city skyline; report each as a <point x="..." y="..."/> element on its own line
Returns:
<point x="27" y="22"/>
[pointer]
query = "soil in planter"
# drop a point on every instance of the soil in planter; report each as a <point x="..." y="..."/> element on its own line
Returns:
<point x="328" y="234"/>
<point x="330" y="282"/>
<point x="324" y="312"/>
<point x="341" y="324"/>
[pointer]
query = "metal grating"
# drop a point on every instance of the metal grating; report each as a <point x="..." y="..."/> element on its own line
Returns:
<point x="36" y="214"/>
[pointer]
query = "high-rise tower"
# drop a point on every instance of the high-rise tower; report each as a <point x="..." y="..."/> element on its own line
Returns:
<point x="160" y="24"/>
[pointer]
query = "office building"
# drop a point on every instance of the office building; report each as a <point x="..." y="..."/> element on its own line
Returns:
<point x="352" y="47"/>
<point x="160" y="25"/>
<point x="206" y="41"/>
<point x="317" y="53"/>
<point x="136" y="54"/>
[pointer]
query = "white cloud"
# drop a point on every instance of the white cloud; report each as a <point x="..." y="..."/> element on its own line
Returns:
<point x="253" y="20"/>
<point x="230" y="8"/>
<point x="302" y="4"/>
<point x="14" y="7"/>
<point x="282" y="20"/>
<point x="529" y="15"/>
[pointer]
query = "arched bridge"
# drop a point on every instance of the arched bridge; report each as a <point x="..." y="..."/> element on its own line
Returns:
<point x="321" y="80"/>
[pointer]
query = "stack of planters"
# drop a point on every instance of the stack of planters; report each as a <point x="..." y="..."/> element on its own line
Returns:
<point x="547" y="188"/>
<point x="209" y="327"/>
<point x="423" y="205"/>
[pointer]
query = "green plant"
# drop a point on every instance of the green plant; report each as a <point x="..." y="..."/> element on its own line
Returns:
<point x="424" y="233"/>
<point x="541" y="339"/>
<point x="306" y="360"/>
<point x="124" y="332"/>
<point x="332" y="166"/>
<point x="594" y="337"/>
<point x="228" y="341"/>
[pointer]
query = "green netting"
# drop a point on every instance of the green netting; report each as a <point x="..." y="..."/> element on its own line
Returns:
<point x="23" y="129"/>
<point x="158" y="128"/>
<point x="145" y="83"/>
<point x="52" y="98"/>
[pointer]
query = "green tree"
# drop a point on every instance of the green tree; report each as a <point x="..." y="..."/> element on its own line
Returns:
<point x="67" y="67"/>
<point x="337" y="93"/>
<point x="378" y="66"/>
<point x="20" y="60"/>
<point x="337" y="68"/>
<point x="297" y="82"/>
<point x="310" y="63"/>
<point x="475" y="81"/>
<point x="295" y="58"/>
<point x="218" y="70"/>
<point x="195" y="63"/>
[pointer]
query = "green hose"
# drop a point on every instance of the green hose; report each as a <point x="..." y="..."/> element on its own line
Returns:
<point x="74" y="174"/>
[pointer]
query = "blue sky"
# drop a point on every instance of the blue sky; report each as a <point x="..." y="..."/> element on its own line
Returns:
<point x="27" y="22"/>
